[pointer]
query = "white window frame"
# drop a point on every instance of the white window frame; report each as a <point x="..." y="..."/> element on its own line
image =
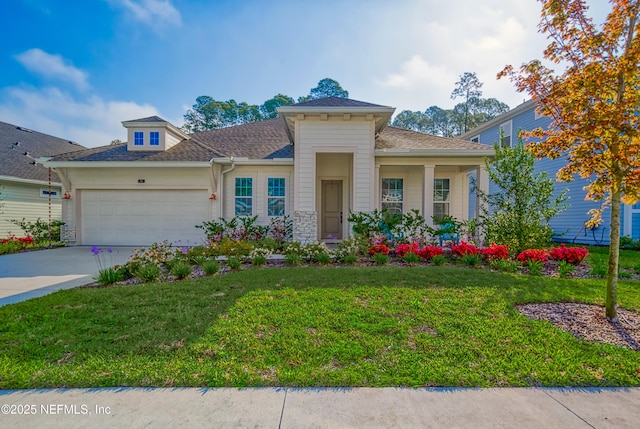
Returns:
<point x="508" y="136"/>
<point x="389" y="199"/>
<point x="446" y="202"/>
<point x="475" y="139"/>
<point x="236" y="197"/>
<point x="277" y="197"/>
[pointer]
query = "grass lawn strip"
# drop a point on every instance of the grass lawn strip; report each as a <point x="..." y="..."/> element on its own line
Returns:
<point x="308" y="326"/>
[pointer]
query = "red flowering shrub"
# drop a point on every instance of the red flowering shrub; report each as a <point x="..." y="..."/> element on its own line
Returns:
<point x="540" y="255"/>
<point x="379" y="248"/>
<point x="571" y="255"/>
<point x="496" y="251"/>
<point x="22" y="241"/>
<point x="403" y="249"/>
<point x="465" y="249"/>
<point x="428" y="252"/>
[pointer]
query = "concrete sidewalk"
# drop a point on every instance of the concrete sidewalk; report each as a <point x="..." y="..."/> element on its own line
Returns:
<point x="321" y="408"/>
<point x="31" y="274"/>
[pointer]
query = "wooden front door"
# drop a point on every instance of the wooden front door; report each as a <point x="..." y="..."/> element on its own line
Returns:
<point x="331" y="210"/>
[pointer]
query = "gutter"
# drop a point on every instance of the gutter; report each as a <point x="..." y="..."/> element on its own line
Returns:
<point x="222" y="174"/>
<point x="438" y="152"/>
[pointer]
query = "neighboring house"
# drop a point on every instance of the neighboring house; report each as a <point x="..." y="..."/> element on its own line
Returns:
<point x="26" y="189"/>
<point x="317" y="162"/>
<point x="569" y="226"/>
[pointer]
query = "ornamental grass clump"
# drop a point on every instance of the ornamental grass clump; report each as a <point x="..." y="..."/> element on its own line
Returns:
<point x="412" y="258"/>
<point x="259" y="256"/>
<point x="234" y="263"/>
<point x="148" y="273"/>
<point x="381" y="258"/>
<point x="210" y="267"/>
<point x="181" y="270"/>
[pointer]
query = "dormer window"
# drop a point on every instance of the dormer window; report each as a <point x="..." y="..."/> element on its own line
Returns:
<point x="138" y="138"/>
<point x="154" y="138"/>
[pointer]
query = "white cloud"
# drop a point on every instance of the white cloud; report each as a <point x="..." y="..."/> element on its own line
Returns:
<point x="52" y="67"/>
<point x="91" y="122"/>
<point x="150" y="12"/>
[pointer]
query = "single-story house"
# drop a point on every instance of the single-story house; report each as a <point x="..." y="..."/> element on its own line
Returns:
<point x="27" y="190"/>
<point x="569" y="226"/>
<point x="317" y="162"/>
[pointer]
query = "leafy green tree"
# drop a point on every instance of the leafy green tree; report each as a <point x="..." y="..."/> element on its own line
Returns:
<point x="268" y="108"/>
<point x="326" y="88"/>
<point x="518" y="213"/>
<point x="208" y="114"/>
<point x="467" y="87"/>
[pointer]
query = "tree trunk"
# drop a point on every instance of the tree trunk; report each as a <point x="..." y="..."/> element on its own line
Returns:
<point x="614" y="253"/>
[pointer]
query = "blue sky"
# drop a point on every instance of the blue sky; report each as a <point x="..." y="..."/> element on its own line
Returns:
<point x="76" y="69"/>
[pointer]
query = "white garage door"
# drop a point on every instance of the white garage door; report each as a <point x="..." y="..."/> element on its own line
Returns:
<point x="140" y="218"/>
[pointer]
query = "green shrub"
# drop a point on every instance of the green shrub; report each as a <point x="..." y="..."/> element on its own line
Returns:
<point x="624" y="274"/>
<point x="39" y="230"/>
<point x="109" y="276"/>
<point x="181" y="270"/>
<point x="239" y="248"/>
<point x="438" y="260"/>
<point x="504" y="265"/>
<point x="292" y="259"/>
<point x="470" y="259"/>
<point x="323" y="258"/>
<point x="148" y="273"/>
<point x="535" y="267"/>
<point x="565" y="269"/>
<point x="411" y="258"/>
<point x="258" y="260"/>
<point x="380" y="258"/>
<point x="598" y="267"/>
<point x="210" y="267"/>
<point x="234" y="263"/>
<point x="350" y="259"/>
<point x="199" y="260"/>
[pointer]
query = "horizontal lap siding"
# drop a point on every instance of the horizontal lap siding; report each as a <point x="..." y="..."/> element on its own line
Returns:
<point x="18" y="201"/>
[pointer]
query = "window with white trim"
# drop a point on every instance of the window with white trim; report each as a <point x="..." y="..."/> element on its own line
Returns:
<point x="393" y="195"/>
<point x="504" y="133"/>
<point x="154" y="138"/>
<point x="276" y="192"/>
<point x="138" y="138"/>
<point x="244" y="196"/>
<point x="441" y="197"/>
<point x="475" y="139"/>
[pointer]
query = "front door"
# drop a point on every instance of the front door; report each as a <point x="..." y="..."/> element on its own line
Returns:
<point x="331" y="212"/>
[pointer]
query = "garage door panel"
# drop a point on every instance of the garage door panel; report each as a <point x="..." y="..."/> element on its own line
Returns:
<point x="140" y="218"/>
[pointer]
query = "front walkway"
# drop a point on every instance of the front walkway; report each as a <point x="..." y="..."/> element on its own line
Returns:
<point x="284" y="408"/>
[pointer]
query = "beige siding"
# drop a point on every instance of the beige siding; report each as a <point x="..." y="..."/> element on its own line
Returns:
<point x="19" y="200"/>
<point x="260" y="176"/>
<point x="335" y="136"/>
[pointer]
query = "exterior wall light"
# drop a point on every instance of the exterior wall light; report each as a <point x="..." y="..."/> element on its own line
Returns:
<point x="66" y="196"/>
<point x="213" y="197"/>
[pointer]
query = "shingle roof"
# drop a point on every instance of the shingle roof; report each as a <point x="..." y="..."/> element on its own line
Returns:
<point x="149" y="119"/>
<point x="256" y="140"/>
<point x="335" y="102"/>
<point x="187" y="150"/>
<point x="14" y="162"/>
<point x="399" y="138"/>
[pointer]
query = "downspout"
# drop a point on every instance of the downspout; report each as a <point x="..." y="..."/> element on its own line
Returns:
<point x="222" y="173"/>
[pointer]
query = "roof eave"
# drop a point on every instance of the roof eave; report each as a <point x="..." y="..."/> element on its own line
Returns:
<point x="28" y="181"/>
<point x="126" y="164"/>
<point x="449" y="153"/>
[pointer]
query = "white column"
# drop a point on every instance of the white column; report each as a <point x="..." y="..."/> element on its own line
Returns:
<point x="628" y="219"/>
<point x="427" y="199"/>
<point x="482" y="183"/>
<point x="375" y="204"/>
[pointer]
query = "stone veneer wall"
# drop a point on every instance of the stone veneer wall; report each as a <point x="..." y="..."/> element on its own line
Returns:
<point x="305" y="226"/>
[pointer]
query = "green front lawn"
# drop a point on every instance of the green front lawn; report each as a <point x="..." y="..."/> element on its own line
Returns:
<point x="311" y="326"/>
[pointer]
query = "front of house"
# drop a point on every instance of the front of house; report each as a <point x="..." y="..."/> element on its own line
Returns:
<point x="316" y="163"/>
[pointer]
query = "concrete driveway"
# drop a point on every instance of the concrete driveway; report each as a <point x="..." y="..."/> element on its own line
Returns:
<point x="31" y="274"/>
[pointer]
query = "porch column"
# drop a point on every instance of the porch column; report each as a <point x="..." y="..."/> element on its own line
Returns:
<point x="375" y="204"/>
<point x="482" y="183"/>
<point x="427" y="199"/>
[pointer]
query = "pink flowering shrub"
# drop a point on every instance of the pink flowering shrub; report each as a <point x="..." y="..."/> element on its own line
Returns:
<point x="428" y="252"/>
<point x="538" y="255"/>
<point x="571" y="255"/>
<point x="404" y="248"/>
<point x="464" y="248"/>
<point x="496" y="251"/>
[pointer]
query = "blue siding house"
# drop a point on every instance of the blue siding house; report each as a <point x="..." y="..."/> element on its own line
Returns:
<point x="568" y="226"/>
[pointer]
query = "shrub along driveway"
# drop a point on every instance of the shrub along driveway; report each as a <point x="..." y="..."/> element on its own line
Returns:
<point x="30" y="274"/>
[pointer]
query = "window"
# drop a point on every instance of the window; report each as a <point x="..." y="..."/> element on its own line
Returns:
<point x="392" y="195"/>
<point x="475" y="139"/>
<point x="441" y="195"/>
<point x="275" y="196"/>
<point x="154" y="138"/>
<point x="244" y="196"/>
<point x="505" y="134"/>
<point x="138" y="138"/>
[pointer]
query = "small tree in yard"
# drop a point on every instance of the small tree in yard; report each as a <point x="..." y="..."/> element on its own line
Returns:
<point x="518" y="214"/>
<point x="594" y="105"/>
